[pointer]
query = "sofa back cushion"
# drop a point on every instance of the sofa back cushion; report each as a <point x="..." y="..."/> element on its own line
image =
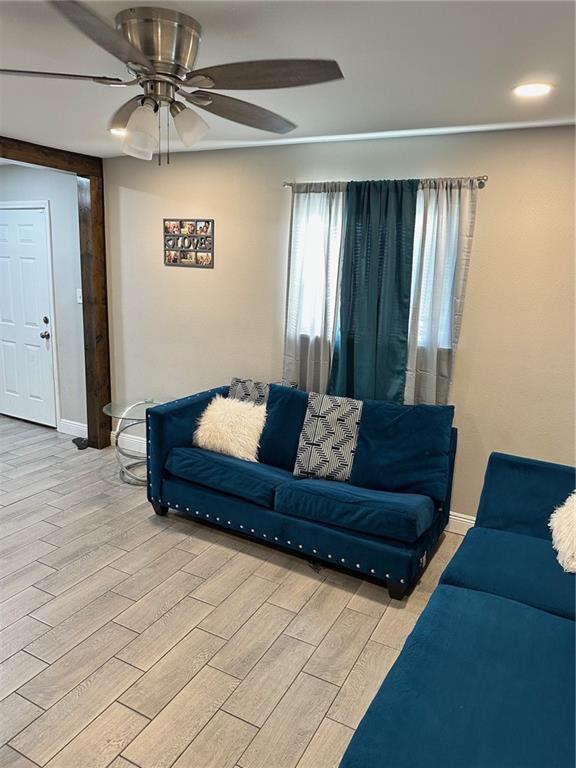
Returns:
<point x="404" y="448"/>
<point x="286" y="408"/>
<point x="520" y="494"/>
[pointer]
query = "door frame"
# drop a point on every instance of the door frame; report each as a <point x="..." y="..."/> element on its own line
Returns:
<point x="44" y="205"/>
<point x="90" y="185"/>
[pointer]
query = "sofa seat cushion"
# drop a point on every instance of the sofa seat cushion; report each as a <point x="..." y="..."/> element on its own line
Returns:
<point x="522" y="568"/>
<point x="482" y="682"/>
<point x="401" y="516"/>
<point x="246" y="479"/>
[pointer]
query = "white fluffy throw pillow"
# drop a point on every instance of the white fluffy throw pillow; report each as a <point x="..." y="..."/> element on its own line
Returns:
<point x="232" y="427"/>
<point x="563" y="526"/>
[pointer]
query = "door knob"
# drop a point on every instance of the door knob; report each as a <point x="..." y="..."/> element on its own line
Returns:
<point x="45" y="335"/>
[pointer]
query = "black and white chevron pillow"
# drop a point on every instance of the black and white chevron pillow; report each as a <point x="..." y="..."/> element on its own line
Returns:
<point x="328" y="438"/>
<point x="254" y="391"/>
<point x="248" y="389"/>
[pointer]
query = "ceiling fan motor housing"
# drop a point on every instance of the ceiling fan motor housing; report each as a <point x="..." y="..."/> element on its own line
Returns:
<point x="168" y="38"/>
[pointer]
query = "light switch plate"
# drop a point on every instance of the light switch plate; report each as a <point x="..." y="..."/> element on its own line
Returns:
<point x="79" y="295"/>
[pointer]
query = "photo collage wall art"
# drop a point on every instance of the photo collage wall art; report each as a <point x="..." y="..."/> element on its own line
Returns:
<point x="189" y="243"/>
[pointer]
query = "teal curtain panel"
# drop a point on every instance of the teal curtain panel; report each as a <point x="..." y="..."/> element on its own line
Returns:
<point x="372" y="340"/>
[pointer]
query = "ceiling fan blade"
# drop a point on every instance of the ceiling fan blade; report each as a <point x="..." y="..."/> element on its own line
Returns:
<point x="64" y="76"/>
<point x="239" y="111"/>
<point x="88" y="22"/>
<point x="274" y="73"/>
<point x="120" y="118"/>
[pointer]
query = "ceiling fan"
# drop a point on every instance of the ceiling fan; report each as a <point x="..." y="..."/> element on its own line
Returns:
<point x="159" y="47"/>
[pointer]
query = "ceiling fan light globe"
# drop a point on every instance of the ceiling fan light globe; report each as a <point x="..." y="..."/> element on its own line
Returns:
<point x="190" y="127"/>
<point x="136" y="152"/>
<point x="141" y="139"/>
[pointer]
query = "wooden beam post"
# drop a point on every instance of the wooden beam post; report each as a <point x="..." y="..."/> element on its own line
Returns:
<point x="94" y="308"/>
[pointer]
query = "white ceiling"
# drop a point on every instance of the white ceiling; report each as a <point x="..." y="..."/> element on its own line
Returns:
<point x="408" y="66"/>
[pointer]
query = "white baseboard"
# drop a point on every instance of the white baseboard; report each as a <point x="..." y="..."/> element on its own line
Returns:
<point x="130" y="442"/>
<point x="460" y="524"/>
<point x="75" y="428"/>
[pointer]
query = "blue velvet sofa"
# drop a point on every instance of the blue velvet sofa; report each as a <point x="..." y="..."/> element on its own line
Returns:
<point x="383" y="525"/>
<point x="486" y="679"/>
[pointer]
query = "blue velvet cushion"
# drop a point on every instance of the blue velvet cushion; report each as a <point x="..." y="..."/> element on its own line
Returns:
<point x="400" y="516"/>
<point x="522" y="568"/>
<point x="482" y="682"/>
<point x="285" y="411"/>
<point x="520" y="494"/>
<point x="404" y="448"/>
<point x="246" y="479"/>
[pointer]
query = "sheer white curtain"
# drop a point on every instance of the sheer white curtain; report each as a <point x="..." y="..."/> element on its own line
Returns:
<point x="313" y="277"/>
<point x="444" y="227"/>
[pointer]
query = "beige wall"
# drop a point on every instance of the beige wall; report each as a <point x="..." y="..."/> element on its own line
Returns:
<point x="175" y="331"/>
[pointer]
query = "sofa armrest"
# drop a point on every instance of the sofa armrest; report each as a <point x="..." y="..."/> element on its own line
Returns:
<point x="519" y="494"/>
<point x="171" y="426"/>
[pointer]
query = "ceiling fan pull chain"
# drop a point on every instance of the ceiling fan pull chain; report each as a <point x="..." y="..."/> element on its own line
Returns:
<point x="159" y="138"/>
<point x="167" y="137"/>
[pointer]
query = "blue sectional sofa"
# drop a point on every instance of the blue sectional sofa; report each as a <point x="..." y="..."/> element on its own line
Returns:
<point x="383" y="525"/>
<point x="486" y="679"/>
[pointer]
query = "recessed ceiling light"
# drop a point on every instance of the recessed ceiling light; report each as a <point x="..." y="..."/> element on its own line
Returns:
<point x="118" y="131"/>
<point x="530" y="90"/>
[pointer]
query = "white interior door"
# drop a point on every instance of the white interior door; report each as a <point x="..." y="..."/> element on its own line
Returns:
<point x="27" y="388"/>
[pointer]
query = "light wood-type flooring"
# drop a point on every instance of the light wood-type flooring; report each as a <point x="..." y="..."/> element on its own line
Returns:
<point x="127" y="639"/>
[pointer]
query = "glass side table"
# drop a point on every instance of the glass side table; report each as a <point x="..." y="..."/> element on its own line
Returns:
<point x="132" y="465"/>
